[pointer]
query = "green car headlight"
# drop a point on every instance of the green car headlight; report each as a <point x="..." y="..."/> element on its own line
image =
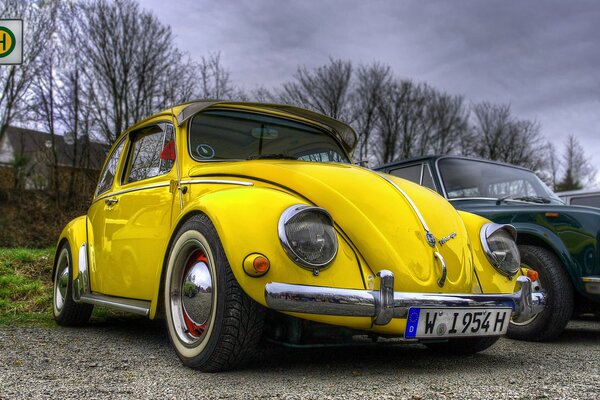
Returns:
<point x="307" y="235"/>
<point x="500" y="246"/>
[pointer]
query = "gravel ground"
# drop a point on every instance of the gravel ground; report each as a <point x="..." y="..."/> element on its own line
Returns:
<point x="132" y="358"/>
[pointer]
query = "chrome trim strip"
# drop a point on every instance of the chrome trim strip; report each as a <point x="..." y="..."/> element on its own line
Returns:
<point x="382" y="306"/>
<point x="135" y="189"/>
<point x="82" y="282"/>
<point x="288" y="214"/>
<point x="410" y="202"/>
<point x="139" y="307"/>
<point x="442" y="281"/>
<point x="591" y="284"/>
<point x="216" y="181"/>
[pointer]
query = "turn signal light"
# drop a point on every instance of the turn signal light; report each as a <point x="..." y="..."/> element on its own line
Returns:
<point x="533" y="275"/>
<point x="261" y="264"/>
<point x="256" y="264"/>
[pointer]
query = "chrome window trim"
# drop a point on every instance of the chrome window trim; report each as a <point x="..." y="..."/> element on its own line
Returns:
<point x="488" y="230"/>
<point x="135" y="189"/>
<point x="439" y="176"/>
<point x="216" y="181"/>
<point x="426" y="165"/>
<point x="288" y="214"/>
<point x="165" y="123"/>
<point x="105" y="165"/>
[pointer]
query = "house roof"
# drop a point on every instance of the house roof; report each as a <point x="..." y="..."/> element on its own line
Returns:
<point x="36" y="145"/>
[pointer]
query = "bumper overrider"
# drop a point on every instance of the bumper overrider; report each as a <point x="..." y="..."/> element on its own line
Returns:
<point x="384" y="304"/>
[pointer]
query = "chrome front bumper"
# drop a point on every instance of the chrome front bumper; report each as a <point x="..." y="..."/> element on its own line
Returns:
<point x="384" y="304"/>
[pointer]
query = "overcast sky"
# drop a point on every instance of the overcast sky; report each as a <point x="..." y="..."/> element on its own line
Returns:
<point x="541" y="57"/>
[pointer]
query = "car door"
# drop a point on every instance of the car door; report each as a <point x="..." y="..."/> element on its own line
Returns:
<point x="139" y="215"/>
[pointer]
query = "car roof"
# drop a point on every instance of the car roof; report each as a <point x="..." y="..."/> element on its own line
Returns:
<point x="182" y="112"/>
<point x="436" y="157"/>
<point x="577" y="192"/>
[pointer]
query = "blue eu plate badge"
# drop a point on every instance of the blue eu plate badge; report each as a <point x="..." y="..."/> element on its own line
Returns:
<point x="412" y="323"/>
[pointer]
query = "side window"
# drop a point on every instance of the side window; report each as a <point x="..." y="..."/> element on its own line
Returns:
<point x="590" y="201"/>
<point x="412" y="173"/>
<point x="427" y="177"/>
<point x="152" y="152"/>
<point x="108" y="175"/>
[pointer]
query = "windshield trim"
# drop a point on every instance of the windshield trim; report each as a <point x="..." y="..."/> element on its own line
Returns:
<point x="309" y="123"/>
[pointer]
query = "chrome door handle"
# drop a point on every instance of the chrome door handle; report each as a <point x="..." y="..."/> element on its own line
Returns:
<point x="111" y="202"/>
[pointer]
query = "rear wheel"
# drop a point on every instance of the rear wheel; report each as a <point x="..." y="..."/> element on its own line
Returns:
<point x="66" y="311"/>
<point x="554" y="280"/>
<point x="213" y="325"/>
<point x="463" y="346"/>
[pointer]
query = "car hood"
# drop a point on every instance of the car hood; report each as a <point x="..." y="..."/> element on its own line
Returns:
<point x="374" y="215"/>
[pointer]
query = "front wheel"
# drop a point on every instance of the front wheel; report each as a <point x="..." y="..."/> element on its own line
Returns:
<point x="213" y="325"/>
<point x="463" y="346"/>
<point x="549" y="323"/>
<point x="66" y="311"/>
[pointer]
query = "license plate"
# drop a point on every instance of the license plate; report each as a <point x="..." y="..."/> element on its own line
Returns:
<point x="456" y="322"/>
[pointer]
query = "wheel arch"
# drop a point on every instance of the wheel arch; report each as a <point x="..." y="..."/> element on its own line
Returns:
<point x="538" y="236"/>
<point x="75" y="234"/>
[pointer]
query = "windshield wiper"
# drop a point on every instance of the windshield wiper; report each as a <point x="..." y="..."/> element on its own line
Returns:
<point x="530" y="199"/>
<point x="273" y="156"/>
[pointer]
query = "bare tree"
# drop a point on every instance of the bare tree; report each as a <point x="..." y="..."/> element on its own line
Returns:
<point x="578" y="171"/>
<point x="370" y="82"/>
<point x="497" y="135"/>
<point x="448" y="122"/>
<point x="325" y="89"/>
<point x="15" y="79"/>
<point x="214" y="79"/>
<point x="403" y="128"/>
<point x="131" y="58"/>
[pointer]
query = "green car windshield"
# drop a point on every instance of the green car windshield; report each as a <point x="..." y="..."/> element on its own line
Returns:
<point x="221" y="135"/>
<point x="479" y="179"/>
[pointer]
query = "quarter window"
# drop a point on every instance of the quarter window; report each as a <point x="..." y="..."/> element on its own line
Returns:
<point x="108" y="175"/>
<point x="152" y="152"/>
<point x="411" y="173"/>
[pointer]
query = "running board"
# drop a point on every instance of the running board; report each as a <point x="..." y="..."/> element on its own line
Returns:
<point x="139" y="307"/>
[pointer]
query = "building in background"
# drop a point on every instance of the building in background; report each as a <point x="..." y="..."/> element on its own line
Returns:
<point x="31" y="160"/>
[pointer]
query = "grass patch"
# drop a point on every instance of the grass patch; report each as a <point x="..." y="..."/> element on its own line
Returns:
<point x="26" y="285"/>
<point x="26" y="288"/>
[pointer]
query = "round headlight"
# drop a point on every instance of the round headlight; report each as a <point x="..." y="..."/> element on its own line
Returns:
<point x="307" y="235"/>
<point x="501" y="248"/>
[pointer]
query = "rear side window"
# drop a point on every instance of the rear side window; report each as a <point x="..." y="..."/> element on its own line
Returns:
<point x="411" y="173"/>
<point x="152" y="152"/>
<point x="108" y="175"/>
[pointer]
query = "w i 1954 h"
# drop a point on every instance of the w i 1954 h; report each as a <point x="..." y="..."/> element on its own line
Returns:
<point x="239" y="221"/>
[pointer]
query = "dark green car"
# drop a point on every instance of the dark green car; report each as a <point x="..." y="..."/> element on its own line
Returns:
<point x="560" y="242"/>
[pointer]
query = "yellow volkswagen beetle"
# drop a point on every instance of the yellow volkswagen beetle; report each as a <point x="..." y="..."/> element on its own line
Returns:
<point x="242" y="220"/>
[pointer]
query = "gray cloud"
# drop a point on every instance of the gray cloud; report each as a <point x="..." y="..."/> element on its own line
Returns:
<point x="542" y="57"/>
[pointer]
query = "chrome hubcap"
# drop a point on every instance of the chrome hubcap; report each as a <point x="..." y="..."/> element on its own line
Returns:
<point x="192" y="294"/>
<point x="61" y="280"/>
<point x="196" y="293"/>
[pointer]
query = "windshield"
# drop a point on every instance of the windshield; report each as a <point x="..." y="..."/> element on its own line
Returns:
<point x="218" y="135"/>
<point x="472" y="178"/>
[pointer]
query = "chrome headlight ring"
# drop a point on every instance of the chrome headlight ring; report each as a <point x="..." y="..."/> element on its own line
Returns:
<point x="308" y="236"/>
<point x="500" y="247"/>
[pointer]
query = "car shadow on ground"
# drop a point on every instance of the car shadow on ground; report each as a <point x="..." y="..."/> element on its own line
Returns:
<point x="360" y="358"/>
